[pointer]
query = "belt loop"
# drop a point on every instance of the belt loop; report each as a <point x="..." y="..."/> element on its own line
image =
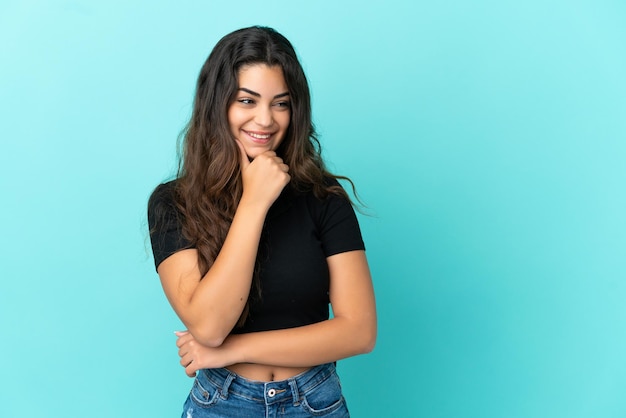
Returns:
<point x="229" y="379"/>
<point x="294" y="392"/>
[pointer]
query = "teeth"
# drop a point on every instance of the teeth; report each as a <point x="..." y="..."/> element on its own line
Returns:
<point x="257" y="136"/>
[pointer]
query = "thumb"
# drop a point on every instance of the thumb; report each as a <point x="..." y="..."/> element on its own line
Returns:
<point x="245" y="161"/>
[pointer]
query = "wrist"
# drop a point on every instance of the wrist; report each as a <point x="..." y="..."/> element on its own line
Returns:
<point x="253" y="207"/>
<point x="235" y="349"/>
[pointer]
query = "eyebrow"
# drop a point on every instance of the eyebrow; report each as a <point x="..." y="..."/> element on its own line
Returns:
<point x="254" y="93"/>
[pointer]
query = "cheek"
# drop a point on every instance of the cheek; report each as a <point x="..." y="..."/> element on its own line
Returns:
<point x="285" y="121"/>
<point x="234" y="119"/>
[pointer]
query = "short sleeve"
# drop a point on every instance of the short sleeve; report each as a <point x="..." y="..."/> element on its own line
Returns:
<point x="337" y="225"/>
<point x="164" y="221"/>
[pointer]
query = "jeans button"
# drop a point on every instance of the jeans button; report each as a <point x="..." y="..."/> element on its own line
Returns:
<point x="271" y="393"/>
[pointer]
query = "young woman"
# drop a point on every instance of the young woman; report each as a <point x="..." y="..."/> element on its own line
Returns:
<point x="255" y="238"/>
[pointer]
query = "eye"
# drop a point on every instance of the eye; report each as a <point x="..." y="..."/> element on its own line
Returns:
<point x="284" y="104"/>
<point x="246" y="101"/>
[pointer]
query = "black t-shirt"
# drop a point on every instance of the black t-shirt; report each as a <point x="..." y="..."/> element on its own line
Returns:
<point x="300" y="231"/>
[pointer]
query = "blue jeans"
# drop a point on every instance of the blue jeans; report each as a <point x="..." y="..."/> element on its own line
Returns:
<point x="222" y="393"/>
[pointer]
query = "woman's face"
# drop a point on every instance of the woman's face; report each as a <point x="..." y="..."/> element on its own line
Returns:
<point x="260" y="115"/>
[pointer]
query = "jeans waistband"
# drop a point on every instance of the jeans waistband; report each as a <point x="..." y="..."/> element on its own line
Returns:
<point x="231" y="384"/>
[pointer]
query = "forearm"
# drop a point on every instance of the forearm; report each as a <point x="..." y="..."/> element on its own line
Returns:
<point x="305" y="346"/>
<point x="221" y="295"/>
<point x="210" y="303"/>
<point x="352" y="331"/>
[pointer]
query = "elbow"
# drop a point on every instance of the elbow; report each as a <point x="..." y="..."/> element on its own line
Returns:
<point x="369" y="343"/>
<point x="367" y="340"/>
<point x="210" y="330"/>
<point x="212" y="342"/>
<point x="208" y="337"/>
<point x="369" y="347"/>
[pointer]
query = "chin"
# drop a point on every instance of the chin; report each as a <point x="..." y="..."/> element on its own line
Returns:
<point x="253" y="152"/>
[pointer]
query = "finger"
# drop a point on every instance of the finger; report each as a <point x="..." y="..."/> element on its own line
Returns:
<point x="184" y="340"/>
<point x="186" y="362"/>
<point x="245" y="161"/>
<point x="281" y="163"/>
<point x="180" y="335"/>
<point x="190" y="371"/>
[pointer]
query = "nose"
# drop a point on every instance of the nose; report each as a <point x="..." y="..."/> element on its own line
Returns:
<point x="264" y="117"/>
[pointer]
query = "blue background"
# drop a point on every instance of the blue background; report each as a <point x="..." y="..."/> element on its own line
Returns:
<point x="487" y="139"/>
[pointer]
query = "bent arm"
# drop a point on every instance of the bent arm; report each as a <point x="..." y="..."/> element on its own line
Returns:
<point x="210" y="305"/>
<point x="351" y="331"/>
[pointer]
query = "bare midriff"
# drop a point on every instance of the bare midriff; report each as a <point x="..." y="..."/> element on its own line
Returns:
<point x="264" y="373"/>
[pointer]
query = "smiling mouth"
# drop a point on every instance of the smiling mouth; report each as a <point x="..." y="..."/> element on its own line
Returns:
<point x="259" y="136"/>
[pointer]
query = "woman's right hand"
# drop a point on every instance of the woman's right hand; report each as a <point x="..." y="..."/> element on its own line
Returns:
<point x="264" y="178"/>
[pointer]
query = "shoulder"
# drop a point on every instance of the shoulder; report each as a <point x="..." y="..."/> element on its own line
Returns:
<point x="329" y="192"/>
<point x="331" y="206"/>
<point x="161" y="205"/>
<point x="336" y="222"/>
<point x="165" y="223"/>
<point x="331" y="181"/>
<point x="163" y="194"/>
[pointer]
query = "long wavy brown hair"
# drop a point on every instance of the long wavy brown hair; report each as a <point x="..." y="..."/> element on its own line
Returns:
<point x="209" y="186"/>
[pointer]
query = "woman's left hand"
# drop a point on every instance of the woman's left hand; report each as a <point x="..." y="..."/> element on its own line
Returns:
<point x="195" y="356"/>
